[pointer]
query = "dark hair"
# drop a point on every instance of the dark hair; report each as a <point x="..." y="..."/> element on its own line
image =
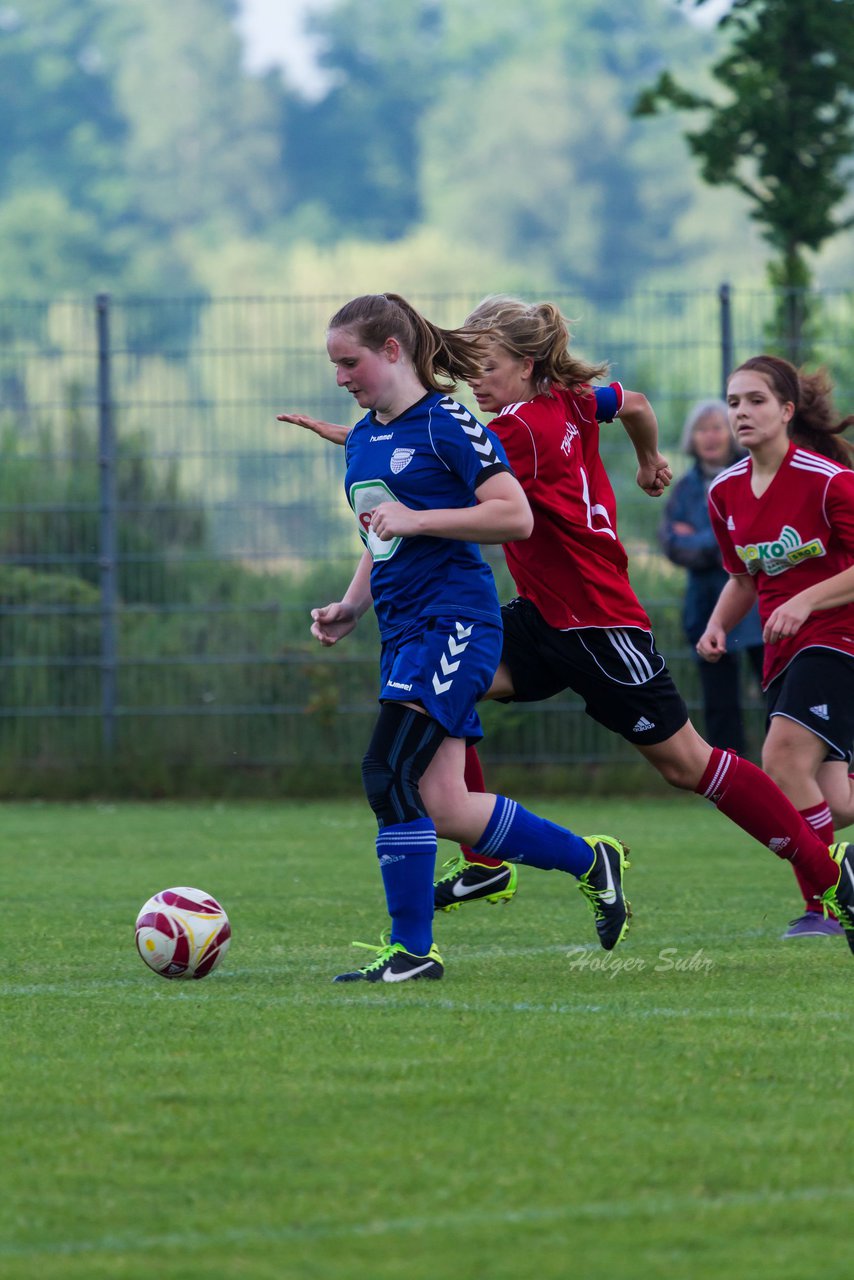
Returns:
<point x="812" y="424"/>
<point x="537" y="330"/>
<point x="441" y="357"/>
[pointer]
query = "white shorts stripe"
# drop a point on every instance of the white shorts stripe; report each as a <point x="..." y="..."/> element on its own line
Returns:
<point x="637" y="664"/>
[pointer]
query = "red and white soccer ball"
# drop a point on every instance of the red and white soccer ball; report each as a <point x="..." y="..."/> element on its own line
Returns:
<point x="182" y="933"/>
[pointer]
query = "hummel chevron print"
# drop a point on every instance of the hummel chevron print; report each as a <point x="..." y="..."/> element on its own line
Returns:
<point x="450" y="660"/>
<point x="480" y="440"/>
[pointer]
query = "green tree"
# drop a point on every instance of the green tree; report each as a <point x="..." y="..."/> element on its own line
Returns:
<point x="127" y="128"/>
<point x="783" y="133"/>
<point x="498" y="126"/>
<point x="356" y="151"/>
<point x="202" y="137"/>
<point x="531" y="147"/>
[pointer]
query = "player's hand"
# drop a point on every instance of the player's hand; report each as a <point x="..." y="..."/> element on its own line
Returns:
<point x="682" y="529"/>
<point x="331" y="431"/>
<point x="654" y="476"/>
<point x="332" y="622"/>
<point x="299" y="420"/>
<point x="786" y="620"/>
<point x="712" y="644"/>
<point x="394" y="520"/>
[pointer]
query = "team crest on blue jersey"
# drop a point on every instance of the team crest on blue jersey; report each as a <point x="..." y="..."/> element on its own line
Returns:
<point x="401" y="458"/>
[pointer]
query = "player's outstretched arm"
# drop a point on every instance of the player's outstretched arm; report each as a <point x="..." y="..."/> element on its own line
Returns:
<point x="331" y="431"/>
<point x="641" y="426"/>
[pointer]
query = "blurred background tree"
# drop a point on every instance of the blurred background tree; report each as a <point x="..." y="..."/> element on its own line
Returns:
<point x="470" y="140"/>
<point x="783" y="134"/>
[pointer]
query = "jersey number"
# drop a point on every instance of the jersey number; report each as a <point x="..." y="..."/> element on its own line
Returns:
<point x="364" y="496"/>
<point x="596" y="511"/>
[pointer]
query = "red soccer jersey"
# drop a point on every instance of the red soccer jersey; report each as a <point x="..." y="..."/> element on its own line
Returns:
<point x="799" y="532"/>
<point x="573" y="567"/>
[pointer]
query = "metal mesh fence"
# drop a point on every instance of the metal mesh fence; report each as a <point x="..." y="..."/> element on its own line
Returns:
<point x="162" y="537"/>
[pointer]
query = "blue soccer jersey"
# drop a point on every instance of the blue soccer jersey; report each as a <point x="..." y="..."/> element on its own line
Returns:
<point x="432" y="456"/>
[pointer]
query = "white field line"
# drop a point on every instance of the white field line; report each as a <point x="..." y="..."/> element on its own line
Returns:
<point x="376" y="997"/>
<point x="459" y="951"/>
<point x="642" y="1207"/>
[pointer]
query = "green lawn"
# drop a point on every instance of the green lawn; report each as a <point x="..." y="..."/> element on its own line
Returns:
<point x="678" y="1109"/>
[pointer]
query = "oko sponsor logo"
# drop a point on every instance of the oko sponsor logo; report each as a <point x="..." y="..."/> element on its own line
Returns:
<point x="787" y="550"/>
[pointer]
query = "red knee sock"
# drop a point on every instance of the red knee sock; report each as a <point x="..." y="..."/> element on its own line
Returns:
<point x="474" y="782"/>
<point x="819" y="818"/>
<point x="757" y="805"/>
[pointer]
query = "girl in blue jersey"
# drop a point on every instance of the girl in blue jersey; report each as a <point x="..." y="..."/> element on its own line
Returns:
<point x="427" y="483"/>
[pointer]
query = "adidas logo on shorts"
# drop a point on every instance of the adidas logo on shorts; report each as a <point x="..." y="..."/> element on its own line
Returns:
<point x="821" y="711"/>
<point x="643" y="725"/>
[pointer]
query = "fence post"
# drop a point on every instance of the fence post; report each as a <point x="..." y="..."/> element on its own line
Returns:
<point x="107" y="532"/>
<point x="725" y="324"/>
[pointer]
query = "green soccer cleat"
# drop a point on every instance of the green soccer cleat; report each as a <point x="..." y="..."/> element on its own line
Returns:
<point x="467" y="881"/>
<point x="602" y="886"/>
<point x="840" y="898"/>
<point x="394" y="963"/>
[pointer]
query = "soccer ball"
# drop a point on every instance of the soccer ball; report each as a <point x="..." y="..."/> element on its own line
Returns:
<point x="182" y="933"/>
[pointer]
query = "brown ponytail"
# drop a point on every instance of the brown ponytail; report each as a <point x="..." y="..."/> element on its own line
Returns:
<point x="537" y="330"/>
<point x="441" y="357"/>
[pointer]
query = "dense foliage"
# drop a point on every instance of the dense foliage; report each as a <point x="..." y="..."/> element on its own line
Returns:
<point x="138" y="154"/>
<point x="782" y="130"/>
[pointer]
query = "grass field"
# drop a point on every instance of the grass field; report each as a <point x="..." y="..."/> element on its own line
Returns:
<point x="679" y="1109"/>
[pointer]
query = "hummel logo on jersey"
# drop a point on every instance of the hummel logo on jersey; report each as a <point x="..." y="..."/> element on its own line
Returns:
<point x="821" y="711"/>
<point x="643" y="725"/>
<point x="377" y="439"/>
<point x="401" y="458"/>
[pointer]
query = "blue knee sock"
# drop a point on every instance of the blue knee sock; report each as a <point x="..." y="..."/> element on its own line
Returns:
<point x="407" y="854"/>
<point x="516" y="835"/>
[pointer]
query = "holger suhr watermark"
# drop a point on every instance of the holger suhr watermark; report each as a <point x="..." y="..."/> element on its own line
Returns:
<point x="668" y="960"/>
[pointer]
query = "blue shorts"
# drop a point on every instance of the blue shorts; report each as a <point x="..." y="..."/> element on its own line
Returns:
<point x="446" y="665"/>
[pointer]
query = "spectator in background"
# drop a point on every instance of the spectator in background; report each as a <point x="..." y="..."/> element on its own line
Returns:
<point x="687" y="538"/>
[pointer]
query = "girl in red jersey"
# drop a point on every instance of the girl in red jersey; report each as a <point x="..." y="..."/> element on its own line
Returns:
<point x="784" y="519"/>
<point x="577" y="623"/>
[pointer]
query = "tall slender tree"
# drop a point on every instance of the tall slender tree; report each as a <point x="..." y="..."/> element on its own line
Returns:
<point x="782" y="133"/>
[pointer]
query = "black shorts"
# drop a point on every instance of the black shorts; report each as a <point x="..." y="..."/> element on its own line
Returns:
<point x="618" y="671"/>
<point x="817" y="690"/>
